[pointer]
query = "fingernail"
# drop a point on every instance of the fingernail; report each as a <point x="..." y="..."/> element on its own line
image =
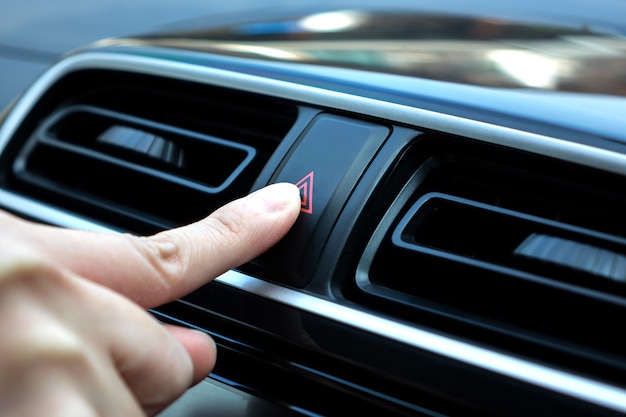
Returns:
<point x="277" y="197"/>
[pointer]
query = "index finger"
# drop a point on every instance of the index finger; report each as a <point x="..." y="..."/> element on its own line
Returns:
<point x="160" y="268"/>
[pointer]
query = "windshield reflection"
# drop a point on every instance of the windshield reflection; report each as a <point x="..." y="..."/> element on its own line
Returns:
<point x="469" y="50"/>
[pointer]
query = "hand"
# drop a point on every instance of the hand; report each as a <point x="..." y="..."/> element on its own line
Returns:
<point x="75" y="339"/>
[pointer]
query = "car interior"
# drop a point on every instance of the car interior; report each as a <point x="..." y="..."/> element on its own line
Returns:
<point x="461" y="245"/>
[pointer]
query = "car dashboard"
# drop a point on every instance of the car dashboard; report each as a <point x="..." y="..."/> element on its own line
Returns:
<point x="461" y="249"/>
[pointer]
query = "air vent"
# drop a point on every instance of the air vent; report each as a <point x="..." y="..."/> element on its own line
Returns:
<point x="174" y="155"/>
<point x="498" y="239"/>
<point x="510" y="250"/>
<point x="146" y="153"/>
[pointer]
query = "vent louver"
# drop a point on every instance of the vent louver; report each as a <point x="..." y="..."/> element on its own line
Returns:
<point x="493" y="238"/>
<point x="147" y="153"/>
<point x="524" y="254"/>
<point x="170" y="154"/>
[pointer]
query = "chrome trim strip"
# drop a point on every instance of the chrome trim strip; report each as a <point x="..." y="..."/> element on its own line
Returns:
<point x="584" y="389"/>
<point x="47" y="214"/>
<point x="568" y="384"/>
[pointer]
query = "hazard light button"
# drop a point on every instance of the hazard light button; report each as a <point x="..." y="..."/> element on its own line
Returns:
<point x="325" y="163"/>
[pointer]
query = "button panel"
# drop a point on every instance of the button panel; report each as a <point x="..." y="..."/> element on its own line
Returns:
<point x="326" y="163"/>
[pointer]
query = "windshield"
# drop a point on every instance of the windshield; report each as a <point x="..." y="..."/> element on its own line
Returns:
<point x="579" y="55"/>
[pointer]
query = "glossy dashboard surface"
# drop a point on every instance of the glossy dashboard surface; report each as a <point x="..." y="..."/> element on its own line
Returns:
<point x="562" y="72"/>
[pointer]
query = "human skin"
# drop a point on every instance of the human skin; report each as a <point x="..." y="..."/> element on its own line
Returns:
<point x="75" y="336"/>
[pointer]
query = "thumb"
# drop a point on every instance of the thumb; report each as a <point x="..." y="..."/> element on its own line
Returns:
<point x="199" y="346"/>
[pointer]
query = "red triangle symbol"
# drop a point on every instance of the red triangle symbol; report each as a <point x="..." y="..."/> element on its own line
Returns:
<point x="306" y="193"/>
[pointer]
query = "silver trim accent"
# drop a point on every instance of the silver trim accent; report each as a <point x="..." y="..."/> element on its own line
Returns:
<point x="48" y="214"/>
<point x="568" y="384"/>
<point x="557" y="381"/>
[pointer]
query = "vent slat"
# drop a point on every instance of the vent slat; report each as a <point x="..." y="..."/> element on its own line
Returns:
<point x="144" y="143"/>
<point x="579" y="256"/>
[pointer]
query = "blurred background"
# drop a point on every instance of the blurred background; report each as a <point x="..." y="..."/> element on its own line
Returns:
<point x="35" y="33"/>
